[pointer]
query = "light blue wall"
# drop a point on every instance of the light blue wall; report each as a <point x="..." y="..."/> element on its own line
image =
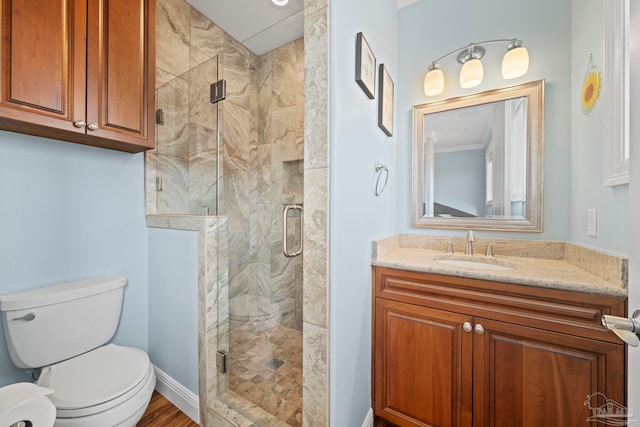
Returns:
<point x="587" y="140"/>
<point x="356" y="216"/>
<point x="429" y="29"/>
<point x="70" y="212"/>
<point x="173" y="304"/>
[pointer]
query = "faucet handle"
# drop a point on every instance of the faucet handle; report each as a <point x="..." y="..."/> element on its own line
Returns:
<point x="470" y="236"/>
<point x="490" y="246"/>
<point x="449" y="245"/>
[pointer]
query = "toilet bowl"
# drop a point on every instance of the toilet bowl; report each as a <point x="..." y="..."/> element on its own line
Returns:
<point x="64" y="331"/>
<point x="109" y="386"/>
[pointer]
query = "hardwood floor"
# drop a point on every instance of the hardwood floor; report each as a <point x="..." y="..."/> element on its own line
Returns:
<point x="161" y="413"/>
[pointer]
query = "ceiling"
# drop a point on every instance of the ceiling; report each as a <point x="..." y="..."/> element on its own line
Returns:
<point x="258" y="24"/>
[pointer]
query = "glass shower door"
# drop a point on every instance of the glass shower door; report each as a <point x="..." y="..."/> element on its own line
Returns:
<point x="187" y="143"/>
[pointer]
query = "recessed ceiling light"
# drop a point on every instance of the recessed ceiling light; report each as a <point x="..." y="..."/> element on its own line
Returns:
<point x="280" y="3"/>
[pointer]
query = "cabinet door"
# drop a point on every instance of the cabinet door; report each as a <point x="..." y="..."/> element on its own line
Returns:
<point x="422" y="366"/>
<point x="121" y="70"/>
<point x="530" y="377"/>
<point x="43" y="74"/>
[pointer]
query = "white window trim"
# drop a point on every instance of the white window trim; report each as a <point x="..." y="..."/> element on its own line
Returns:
<point x="616" y="81"/>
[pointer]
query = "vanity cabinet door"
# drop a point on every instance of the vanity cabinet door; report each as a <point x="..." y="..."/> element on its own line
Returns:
<point x="531" y="377"/>
<point x="422" y="366"/>
<point x="43" y="73"/>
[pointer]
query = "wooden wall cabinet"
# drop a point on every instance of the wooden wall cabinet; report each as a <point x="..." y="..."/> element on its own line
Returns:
<point x="80" y="71"/>
<point x="461" y="352"/>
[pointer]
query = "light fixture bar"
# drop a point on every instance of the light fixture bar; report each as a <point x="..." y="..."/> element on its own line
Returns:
<point x="515" y="63"/>
<point x="513" y="41"/>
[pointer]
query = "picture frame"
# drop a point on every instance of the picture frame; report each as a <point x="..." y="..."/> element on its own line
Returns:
<point x="365" y="66"/>
<point x="385" y="101"/>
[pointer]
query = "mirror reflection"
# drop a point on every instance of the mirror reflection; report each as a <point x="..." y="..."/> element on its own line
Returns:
<point x="477" y="160"/>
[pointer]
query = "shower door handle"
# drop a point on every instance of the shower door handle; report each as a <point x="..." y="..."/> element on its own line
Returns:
<point x="285" y="213"/>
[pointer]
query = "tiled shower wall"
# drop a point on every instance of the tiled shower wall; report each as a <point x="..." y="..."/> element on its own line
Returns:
<point x="261" y="141"/>
<point x="261" y="154"/>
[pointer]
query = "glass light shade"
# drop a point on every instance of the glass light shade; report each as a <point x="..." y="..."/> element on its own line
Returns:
<point x="280" y="3"/>
<point x="434" y="82"/>
<point x="471" y="73"/>
<point x="515" y="63"/>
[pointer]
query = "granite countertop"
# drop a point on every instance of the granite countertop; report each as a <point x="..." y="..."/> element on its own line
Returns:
<point x="554" y="265"/>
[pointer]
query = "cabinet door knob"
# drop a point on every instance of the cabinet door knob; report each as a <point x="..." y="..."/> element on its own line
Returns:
<point x="92" y="127"/>
<point x="479" y="329"/>
<point x="467" y="327"/>
<point x="79" y="123"/>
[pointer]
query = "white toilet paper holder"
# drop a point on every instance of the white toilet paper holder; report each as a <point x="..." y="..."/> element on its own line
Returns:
<point x="627" y="329"/>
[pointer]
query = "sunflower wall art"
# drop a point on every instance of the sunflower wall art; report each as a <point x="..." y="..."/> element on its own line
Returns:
<point x="590" y="88"/>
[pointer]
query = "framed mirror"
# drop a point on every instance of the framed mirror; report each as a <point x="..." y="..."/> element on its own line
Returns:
<point x="477" y="160"/>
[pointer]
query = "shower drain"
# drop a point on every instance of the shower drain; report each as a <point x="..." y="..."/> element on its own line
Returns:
<point x="274" y="364"/>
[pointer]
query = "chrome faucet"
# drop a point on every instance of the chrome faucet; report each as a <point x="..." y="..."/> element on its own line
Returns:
<point x="468" y="250"/>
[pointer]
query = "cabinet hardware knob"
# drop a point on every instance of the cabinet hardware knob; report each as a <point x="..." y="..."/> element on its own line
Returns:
<point x="92" y="127"/>
<point x="467" y="327"/>
<point x="79" y="123"/>
<point x="479" y="329"/>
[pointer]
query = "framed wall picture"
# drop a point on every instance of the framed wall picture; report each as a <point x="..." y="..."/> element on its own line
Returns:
<point x="365" y="66"/>
<point x="385" y="101"/>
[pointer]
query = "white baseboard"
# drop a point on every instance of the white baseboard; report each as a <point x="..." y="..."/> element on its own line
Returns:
<point x="368" y="421"/>
<point x="183" y="398"/>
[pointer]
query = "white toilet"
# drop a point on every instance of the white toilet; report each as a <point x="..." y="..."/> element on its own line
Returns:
<point x="63" y="330"/>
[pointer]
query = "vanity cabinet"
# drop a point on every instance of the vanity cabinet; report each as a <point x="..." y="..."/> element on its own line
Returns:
<point x="449" y="351"/>
<point x="80" y="71"/>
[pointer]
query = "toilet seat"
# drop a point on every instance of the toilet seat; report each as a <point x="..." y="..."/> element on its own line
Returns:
<point x="96" y="381"/>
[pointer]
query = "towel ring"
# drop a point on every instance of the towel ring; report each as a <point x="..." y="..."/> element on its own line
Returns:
<point x="381" y="170"/>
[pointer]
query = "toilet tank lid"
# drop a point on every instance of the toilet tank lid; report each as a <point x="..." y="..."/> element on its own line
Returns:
<point x="59" y="293"/>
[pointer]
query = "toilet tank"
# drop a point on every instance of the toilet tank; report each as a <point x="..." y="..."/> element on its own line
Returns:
<point x="47" y="325"/>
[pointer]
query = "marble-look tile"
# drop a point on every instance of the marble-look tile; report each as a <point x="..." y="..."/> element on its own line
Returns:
<point x="312" y="6"/>
<point x="236" y="137"/>
<point x="174" y="195"/>
<point x="315" y="252"/>
<point x="203" y="162"/>
<point x="300" y="105"/>
<point x="281" y="134"/>
<point x="206" y="37"/>
<point x="236" y="63"/>
<point x="293" y="179"/>
<point x="264" y="84"/>
<point x="150" y="174"/>
<point x="215" y="420"/>
<point x="261" y="187"/>
<point x="236" y="198"/>
<point x="315" y="376"/>
<point x="284" y="73"/>
<point x="172" y="136"/>
<point x="299" y="46"/>
<point x="163" y="77"/>
<point x="316" y="90"/>
<point x="173" y="36"/>
<point x="260" y="229"/>
<point x="202" y="111"/>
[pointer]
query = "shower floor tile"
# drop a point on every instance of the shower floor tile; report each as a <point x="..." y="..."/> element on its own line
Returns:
<point x="265" y="367"/>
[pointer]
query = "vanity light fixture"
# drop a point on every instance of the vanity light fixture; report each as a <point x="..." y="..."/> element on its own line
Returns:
<point x="280" y="3"/>
<point x="515" y="63"/>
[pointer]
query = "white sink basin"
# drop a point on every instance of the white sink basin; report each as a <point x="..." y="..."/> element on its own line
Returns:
<point x="466" y="261"/>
